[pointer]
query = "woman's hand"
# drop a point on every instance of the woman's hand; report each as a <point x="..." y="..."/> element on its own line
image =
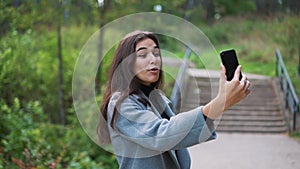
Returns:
<point x="230" y="93"/>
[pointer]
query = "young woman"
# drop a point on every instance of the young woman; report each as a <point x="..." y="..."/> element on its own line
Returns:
<point x="143" y="130"/>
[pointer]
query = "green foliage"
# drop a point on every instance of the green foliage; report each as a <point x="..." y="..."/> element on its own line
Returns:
<point x="295" y="135"/>
<point x="18" y="131"/>
<point x="217" y="34"/>
<point x="288" y="36"/>
<point x="176" y="7"/>
<point x="83" y="161"/>
<point x="10" y="17"/>
<point x="27" y="138"/>
<point x="256" y="39"/>
<point x="25" y="69"/>
<point x="29" y="67"/>
<point x="226" y="7"/>
<point x="17" y="70"/>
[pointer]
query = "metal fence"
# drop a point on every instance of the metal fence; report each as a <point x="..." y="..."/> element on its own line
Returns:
<point x="291" y="99"/>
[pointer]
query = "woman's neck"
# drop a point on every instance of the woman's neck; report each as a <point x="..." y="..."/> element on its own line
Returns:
<point x="146" y="89"/>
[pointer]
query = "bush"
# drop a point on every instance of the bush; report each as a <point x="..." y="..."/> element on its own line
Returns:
<point x="28" y="139"/>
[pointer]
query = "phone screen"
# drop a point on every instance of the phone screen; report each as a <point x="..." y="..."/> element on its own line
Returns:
<point x="230" y="61"/>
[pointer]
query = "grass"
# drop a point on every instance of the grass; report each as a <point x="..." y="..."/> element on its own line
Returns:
<point x="256" y="40"/>
<point x="296" y="136"/>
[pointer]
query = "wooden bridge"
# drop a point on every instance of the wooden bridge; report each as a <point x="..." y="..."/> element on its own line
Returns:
<point x="260" y="112"/>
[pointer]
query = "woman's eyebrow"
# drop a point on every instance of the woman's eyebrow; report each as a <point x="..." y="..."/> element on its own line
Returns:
<point x="142" y="48"/>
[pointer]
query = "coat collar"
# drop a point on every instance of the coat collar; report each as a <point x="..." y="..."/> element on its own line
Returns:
<point x="159" y="103"/>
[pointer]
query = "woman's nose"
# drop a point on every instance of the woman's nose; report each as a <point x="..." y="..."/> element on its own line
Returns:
<point x="151" y="57"/>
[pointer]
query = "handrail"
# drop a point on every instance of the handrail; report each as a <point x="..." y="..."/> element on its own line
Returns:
<point x="175" y="96"/>
<point x="179" y="81"/>
<point x="291" y="99"/>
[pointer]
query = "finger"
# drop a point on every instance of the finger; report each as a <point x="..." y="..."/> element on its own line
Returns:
<point x="237" y="73"/>
<point x="244" y="84"/>
<point x="223" y="73"/>
<point x="248" y="85"/>
<point x="244" y="77"/>
<point x="247" y="92"/>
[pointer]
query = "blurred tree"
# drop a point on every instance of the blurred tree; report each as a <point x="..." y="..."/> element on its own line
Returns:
<point x="102" y="8"/>
<point x="269" y="7"/>
<point x="62" y="114"/>
<point x="234" y="7"/>
<point x="210" y="10"/>
<point x="292" y="5"/>
<point x="266" y="6"/>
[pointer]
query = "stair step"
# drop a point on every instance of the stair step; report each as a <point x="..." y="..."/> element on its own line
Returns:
<point x="248" y="103"/>
<point x="251" y="113"/>
<point x="236" y="107"/>
<point x="252" y="108"/>
<point x="259" y="112"/>
<point x="252" y="123"/>
<point x="243" y="129"/>
<point x="251" y="118"/>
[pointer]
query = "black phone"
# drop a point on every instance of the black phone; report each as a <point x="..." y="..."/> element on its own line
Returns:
<point x="230" y="61"/>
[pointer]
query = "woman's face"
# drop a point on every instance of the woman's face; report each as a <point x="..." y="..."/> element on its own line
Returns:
<point x="148" y="61"/>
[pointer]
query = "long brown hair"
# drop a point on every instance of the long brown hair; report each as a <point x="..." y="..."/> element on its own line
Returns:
<point x="121" y="76"/>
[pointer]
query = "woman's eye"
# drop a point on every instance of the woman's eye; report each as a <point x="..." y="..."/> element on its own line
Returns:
<point x="142" y="55"/>
<point x="156" y="54"/>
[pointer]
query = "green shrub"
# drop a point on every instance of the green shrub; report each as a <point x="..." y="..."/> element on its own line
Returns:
<point x="28" y="139"/>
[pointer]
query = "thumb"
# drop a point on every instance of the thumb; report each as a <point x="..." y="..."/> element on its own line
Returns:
<point x="237" y="72"/>
<point x="223" y="73"/>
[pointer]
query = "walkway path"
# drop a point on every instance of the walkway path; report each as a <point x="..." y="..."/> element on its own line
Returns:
<point x="247" y="151"/>
<point x="265" y="146"/>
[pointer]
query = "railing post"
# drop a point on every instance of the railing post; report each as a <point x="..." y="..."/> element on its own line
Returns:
<point x="294" y="120"/>
<point x="179" y="80"/>
<point x="276" y="64"/>
<point x="291" y="99"/>
<point x="176" y="89"/>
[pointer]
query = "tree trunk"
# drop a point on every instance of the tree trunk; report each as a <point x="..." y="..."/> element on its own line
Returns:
<point x="259" y="5"/>
<point x="299" y="61"/>
<point x="210" y="11"/>
<point x="60" y="73"/>
<point x="100" y="55"/>
<point x="294" y="6"/>
<point x="267" y="7"/>
<point x="102" y="10"/>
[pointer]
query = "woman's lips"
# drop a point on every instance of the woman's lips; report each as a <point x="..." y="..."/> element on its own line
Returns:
<point x="153" y="70"/>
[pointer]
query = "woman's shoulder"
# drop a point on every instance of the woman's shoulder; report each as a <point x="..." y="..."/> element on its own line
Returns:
<point x="163" y="96"/>
<point x="117" y="95"/>
<point x="135" y="98"/>
<point x="131" y="98"/>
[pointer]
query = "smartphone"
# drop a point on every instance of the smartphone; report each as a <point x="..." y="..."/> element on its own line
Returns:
<point x="230" y="61"/>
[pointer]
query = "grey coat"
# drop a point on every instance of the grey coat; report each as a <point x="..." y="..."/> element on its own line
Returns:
<point x="142" y="139"/>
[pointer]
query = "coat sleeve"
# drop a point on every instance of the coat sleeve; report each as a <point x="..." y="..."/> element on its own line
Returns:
<point x="141" y="126"/>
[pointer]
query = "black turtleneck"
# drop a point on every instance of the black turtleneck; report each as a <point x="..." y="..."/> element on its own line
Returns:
<point x="146" y="89"/>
